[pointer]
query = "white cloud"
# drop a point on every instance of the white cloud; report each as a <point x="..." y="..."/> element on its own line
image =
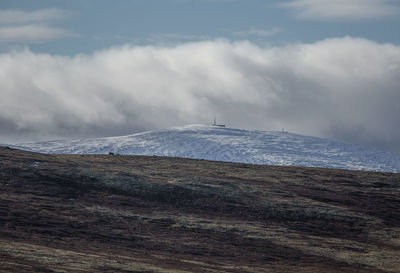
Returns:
<point x="32" y="33"/>
<point x="15" y="16"/>
<point x="343" y="9"/>
<point x="342" y="88"/>
<point x="32" y="26"/>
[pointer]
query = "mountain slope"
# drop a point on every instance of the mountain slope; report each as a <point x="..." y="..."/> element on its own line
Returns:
<point x="235" y="145"/>
<point x="103" y="213"/>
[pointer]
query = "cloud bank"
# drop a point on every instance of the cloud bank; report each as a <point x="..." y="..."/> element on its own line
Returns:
<point x="343" y="9"/>
<point x="344" y="88"/>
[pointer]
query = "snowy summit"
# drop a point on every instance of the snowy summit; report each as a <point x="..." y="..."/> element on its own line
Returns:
<point x="234" y="145"/>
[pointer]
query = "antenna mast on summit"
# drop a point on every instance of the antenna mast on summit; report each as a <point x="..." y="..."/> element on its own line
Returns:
<point x="217" y="125"/>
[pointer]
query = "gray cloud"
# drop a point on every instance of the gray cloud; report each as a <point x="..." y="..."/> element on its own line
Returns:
<point x="343" y="9"/>
<point x="343" y="88"/>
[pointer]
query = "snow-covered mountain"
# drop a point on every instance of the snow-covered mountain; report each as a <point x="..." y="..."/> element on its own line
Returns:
<point x="235" y="145"/>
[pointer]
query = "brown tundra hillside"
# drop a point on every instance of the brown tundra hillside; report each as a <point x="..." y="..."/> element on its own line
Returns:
<point x="105" y="213"/>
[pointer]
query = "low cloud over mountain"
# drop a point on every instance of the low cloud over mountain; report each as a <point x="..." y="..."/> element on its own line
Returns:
<point x="343" y="88"/>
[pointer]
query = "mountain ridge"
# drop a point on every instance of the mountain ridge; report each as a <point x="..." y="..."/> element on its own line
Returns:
<point x="231" y="145"/>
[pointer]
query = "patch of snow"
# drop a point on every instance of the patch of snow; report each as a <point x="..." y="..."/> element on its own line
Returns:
<point x="233" y="145"/>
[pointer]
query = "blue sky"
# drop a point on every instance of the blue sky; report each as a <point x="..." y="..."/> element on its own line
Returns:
<point x="98" y="24"/>
<point x="95" y="68"/>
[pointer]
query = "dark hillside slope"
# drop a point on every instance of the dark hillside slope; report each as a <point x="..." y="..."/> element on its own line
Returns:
<point x="100" y="213"/>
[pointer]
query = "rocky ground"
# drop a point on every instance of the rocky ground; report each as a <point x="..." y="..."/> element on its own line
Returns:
<point x="104" y="213"/>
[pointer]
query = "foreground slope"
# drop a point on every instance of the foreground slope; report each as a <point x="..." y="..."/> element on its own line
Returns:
<point x="233" y="145"/>
<point x="102" y="213"/>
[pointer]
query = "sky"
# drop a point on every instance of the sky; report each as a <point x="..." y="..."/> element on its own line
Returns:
<point x="94" y="68"/>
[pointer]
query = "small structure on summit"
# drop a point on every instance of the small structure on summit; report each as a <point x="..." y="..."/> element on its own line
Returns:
<point x="218" y="125"/>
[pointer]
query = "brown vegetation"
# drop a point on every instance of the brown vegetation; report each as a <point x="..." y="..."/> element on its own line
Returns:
<point x="105" y="213"/>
